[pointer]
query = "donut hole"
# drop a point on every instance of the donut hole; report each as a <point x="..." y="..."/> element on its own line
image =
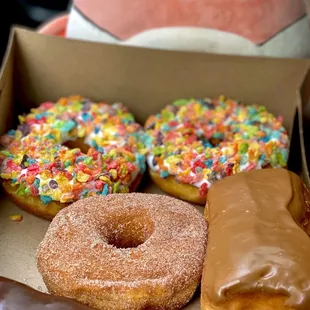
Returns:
<point x="78" y="143"/>
<point x="213" y="142"/>
<point x="129" y="230"/>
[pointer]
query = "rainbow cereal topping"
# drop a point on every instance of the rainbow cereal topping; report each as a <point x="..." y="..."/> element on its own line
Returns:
<point x="36" y="160"/>
<point x="202" y="140"/>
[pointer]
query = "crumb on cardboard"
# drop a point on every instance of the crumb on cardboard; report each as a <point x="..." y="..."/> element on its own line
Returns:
<point x="16" y="218"/>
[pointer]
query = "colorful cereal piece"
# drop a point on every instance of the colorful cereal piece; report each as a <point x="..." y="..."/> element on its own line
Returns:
<point x="36" y="158"/>
<point x="212" y="139"/>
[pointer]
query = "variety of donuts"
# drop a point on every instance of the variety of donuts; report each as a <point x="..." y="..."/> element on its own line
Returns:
<point x="68" y="150"/>
<point x="113" y="249"/>
<point x="18" y="296"/>
<point x="125" y="251"/>
<point x="258" y="243"/>
<point x="193" y="143"/>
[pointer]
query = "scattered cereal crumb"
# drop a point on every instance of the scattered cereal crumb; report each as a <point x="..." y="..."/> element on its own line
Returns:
<point x="16" y="218"/>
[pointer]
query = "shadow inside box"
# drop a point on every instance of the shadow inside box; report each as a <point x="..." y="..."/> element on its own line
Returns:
<point x="306" y="131"/>
<point x="193" y="303"/>
<point x="294" y="163"/>
<point x="307" y="142"/>
<point x="147" y="185"/>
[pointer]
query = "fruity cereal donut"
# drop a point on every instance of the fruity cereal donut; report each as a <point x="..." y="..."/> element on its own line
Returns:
<point x="68" y="150"/>
<point x="192" y="143"/>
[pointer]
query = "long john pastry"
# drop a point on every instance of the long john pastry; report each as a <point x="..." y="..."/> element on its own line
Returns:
<point x="258" y="254"/>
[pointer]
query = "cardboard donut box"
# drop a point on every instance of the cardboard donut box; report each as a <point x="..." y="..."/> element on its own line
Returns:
<point x="39" y="68"/>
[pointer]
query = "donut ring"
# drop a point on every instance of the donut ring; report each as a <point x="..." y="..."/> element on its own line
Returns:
<point x="68" y="150"/>
<point x="130" y="251"/>
<point x="193" y="143"/>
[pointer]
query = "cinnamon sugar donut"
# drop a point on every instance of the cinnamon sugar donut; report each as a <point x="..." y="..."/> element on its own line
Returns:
<point x="125" y="251"/>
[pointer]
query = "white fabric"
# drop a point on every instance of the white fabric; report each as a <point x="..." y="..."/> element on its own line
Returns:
<point x="292" y="42"/>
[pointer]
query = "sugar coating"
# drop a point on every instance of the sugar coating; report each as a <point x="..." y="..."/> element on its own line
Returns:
<point x="200" y="141"/>
<point x="75" y="253"/>
<point x="38" y="163"/>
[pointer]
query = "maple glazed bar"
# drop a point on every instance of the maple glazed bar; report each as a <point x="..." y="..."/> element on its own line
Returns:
<point x="258" y="253"/>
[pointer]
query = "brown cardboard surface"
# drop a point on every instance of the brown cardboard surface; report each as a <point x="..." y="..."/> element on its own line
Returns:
<point x="39" y="68"/>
